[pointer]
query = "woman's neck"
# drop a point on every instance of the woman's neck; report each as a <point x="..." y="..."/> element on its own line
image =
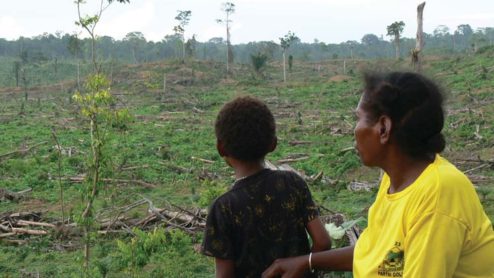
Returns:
<point x="403" y="171"/>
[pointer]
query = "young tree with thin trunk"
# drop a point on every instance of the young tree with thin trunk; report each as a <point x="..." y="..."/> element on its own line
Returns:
<point x="395" y="31"/>
<point x="89" y="23"/>
<point x="95" y="105"/>
<point x="285" y="43"/>
<point x="419" y="43"/>
<point x="183" y="18"/>
<point x="228" y="8"/>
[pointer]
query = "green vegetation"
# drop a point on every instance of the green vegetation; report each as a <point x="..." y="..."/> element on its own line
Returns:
<point x="163" y="150"/>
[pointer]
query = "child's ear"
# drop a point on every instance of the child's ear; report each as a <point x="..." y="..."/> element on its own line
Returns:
<point x="220" y="147"/>
<point x="273" y="145"/>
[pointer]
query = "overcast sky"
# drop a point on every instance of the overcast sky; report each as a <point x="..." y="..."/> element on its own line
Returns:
<point x="329" y="21"/>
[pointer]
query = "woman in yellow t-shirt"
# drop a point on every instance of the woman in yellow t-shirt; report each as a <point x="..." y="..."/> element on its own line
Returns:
<point x="427" y="220"/>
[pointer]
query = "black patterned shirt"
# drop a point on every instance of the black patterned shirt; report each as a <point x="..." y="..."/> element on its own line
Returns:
<point x="262" y="218"/>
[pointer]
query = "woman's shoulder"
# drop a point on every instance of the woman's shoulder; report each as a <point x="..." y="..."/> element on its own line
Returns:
<point x="449" y="177"/>
<point x="456" y="195"/>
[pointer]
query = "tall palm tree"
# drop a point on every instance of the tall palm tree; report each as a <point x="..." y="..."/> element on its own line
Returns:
<point x="395" y="30"/>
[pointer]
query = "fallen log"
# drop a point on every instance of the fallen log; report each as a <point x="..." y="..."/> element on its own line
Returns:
<point x="7" y="235"/>
<point x="342" y="151"/>
<point x="23" y="215"/>
<point x="202" y="159"/>
<point x="295" y="142"/>
<point x="29" y="232"/>
<point x="288" y="160"/>
<point x="22" y="151"/>
<point x="139" y="182"/>
<point x="135" y="167"/>
<point x="4" y="228"/>
<point x="32" y="223"/>
<point x="15" y="241"/>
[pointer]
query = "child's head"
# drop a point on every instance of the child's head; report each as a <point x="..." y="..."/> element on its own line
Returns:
<point x="245" y="129"/>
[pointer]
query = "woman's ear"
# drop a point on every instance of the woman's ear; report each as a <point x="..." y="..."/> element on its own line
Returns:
<point x="273" y="145"/>
<point x="220" y="147"/>
<point x="384" y="124"/>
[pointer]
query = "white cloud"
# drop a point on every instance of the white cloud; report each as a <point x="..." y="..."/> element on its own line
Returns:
<point x="211" y="31"/>
<point x="471" y="17"/>
<point x="135" y="19"/>
<point x="11" y="29"/>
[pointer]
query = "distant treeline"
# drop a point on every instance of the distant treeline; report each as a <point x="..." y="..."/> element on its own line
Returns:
<point x="134" y="48"/>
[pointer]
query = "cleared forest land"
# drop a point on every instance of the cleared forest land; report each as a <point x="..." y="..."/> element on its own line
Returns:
<point x="161" y="169"/>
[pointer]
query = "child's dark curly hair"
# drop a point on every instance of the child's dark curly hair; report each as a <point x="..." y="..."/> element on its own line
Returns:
<point x="246" y="128"/>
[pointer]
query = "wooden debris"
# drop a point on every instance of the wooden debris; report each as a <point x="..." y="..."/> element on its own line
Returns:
<point x="7" y="235"/>
<point x="135" y="167"/>
<point x="197" y="110"/>
<point x="317" y="177"/>
<point x="294" y="143"/>
<point x="22" y="215"/>
<point x="359" y="186"/>
<point x="270" y="165"/>
<point x="288" y="160"/>
<point x="176" y="168"/>
<point x="207" y="175"/>
<point x="190" y="221"/>
<point x="32" y="223"/>
<point x="342" y="151"/>
<point x="480" y="179"/>
<point x="286" y="167"/>
<point x="22" y="151"/>
<point x="29" y="232"/>
<point x="14" y="241"/>
<point x="4" y="228"/>
<point x="139" y="182"/>
<point x="353" y="234"/>
<point x="476" y="168"/>
<point x="68" y="151"/>
<point x="202" y="159"/>
<point x="6" y="194"/>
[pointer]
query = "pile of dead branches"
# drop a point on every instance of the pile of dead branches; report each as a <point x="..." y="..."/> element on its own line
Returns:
<point x="18" y="227"/>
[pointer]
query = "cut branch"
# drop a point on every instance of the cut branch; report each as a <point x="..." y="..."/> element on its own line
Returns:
<point x="32" y="223"/>
<point x="202" y="159"/>
<point x="22" y="151"/>
<point x="287" y="160"/>
<point x="29" y="232"/>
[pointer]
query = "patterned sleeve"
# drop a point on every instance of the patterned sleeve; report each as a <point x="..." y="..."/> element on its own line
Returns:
<point x="310" y="211"/>
<point x="217" y="240"/>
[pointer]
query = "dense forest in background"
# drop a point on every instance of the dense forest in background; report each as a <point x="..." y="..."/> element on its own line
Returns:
<point x="134" y="48"/>
<point x="23" y="57"/>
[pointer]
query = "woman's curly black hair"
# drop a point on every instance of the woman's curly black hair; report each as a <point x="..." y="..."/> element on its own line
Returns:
<point x="246" y="128"/>
<point x="415" y="105"/>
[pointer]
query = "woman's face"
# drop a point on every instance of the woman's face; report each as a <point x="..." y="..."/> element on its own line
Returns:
<point x="367" y="137"/>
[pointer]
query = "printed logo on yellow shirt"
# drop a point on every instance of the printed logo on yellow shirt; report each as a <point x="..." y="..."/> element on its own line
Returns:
<point x="393" y="263"/>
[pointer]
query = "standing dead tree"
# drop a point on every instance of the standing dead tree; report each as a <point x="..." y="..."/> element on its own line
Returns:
<point x="228" y="8"/>
<point x="419" y="43"/>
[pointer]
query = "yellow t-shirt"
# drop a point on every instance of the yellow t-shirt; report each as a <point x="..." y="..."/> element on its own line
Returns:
<point x="436" y="227"/>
